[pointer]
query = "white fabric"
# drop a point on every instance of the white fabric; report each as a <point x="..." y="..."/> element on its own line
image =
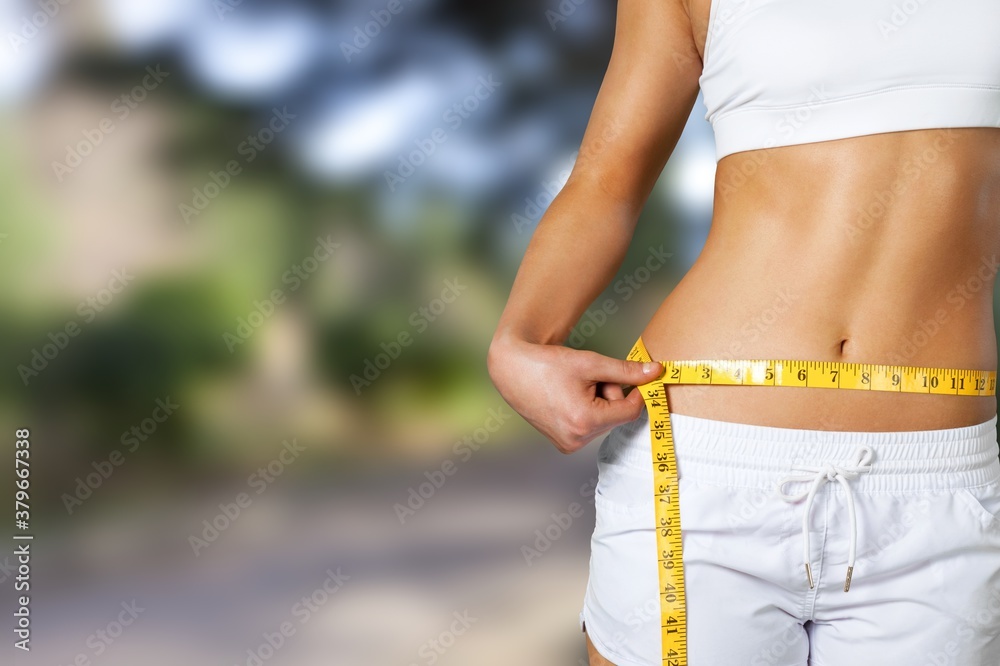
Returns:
<point x="817" y="476"/>
<point x="785" y="72"/>
<point x="926" y="583"/>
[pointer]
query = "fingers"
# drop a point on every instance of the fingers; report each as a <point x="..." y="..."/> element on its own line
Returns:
<point x="610" y="406"/>
<point x="611" y="413"/>
<point x="571" y="396"/>
<point x="597" y="417"/>
<point x="619" y="371"/>
<point x="611" y="391"/>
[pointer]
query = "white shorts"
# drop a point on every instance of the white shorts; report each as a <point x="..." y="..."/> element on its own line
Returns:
<point x="926" y="579"/>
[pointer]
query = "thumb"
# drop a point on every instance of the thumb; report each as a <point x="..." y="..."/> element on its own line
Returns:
<point x="619" y="371"/>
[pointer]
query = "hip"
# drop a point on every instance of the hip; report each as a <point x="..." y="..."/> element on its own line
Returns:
<point x="831" y="410"/>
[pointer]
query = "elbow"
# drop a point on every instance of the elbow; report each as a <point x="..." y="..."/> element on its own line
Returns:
<point x="495" y="357"/>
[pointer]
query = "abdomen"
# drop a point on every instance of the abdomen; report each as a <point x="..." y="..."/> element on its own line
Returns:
<point x="875" y="249"/>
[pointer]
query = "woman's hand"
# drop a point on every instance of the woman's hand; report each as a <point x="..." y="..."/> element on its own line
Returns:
<point x="570" y="396"/>
<point x="645" y="100"/>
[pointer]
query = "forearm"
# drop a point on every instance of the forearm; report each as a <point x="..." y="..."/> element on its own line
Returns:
<point x="578" y="246"/>
<point x="580" y="243"/>
<point x="572" y="395"/>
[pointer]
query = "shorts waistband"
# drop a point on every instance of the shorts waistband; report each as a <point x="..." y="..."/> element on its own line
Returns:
<point x="740" y="454"/>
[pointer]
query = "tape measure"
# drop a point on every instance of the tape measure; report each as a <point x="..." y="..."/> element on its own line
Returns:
<point x="806" y="374"/>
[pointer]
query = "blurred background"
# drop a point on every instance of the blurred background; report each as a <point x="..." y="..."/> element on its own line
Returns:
<point x="252" y="255"/>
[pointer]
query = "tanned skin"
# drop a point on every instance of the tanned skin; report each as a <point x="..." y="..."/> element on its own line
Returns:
<point x="791" y="268"/>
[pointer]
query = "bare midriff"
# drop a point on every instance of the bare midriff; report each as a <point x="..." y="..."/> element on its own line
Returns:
<point x="871" y="249"/>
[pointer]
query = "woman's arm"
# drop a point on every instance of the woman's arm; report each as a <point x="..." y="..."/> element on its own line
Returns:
<point x="644" y="101"/>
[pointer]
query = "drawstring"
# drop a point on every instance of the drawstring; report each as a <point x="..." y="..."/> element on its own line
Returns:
<point x="819" y="475"/>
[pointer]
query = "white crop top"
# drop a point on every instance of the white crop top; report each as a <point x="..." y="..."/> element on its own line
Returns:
<point x="785" y="72"/>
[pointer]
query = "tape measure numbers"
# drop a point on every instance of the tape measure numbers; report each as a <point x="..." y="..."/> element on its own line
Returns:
<point x="806" y="374"/>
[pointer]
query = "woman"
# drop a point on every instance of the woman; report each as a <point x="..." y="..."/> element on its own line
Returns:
<point x="858" y="187"/>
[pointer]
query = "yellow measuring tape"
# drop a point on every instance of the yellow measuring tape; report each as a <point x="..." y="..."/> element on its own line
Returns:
<point x="807" y="374"/>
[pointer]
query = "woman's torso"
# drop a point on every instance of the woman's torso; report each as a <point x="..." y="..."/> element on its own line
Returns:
<point x="872" y="249"/>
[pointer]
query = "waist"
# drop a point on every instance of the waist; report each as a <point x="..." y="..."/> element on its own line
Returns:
<point x="728" y="306"/>
<point x="674" y="334"/>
